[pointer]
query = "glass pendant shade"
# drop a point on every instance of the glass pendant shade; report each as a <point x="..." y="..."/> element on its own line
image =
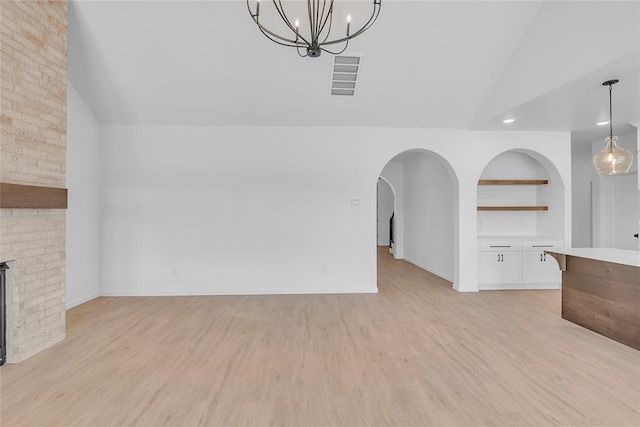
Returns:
<point x="613" y="160"/>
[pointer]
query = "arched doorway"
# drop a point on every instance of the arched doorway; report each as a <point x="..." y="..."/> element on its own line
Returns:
<point x="426" y="211"/>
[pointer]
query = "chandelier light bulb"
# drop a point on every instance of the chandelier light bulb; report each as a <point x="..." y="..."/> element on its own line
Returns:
<point x="349" y="19"/>
<point x="297" y="25"/>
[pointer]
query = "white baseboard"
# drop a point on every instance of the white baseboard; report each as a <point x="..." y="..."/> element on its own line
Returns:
<point x="78" y="301"/>
<point x="74" y="303"/>
<point x="238" y="292"/>
<point x="519" y="286"/>
<point x="430" y="270"/>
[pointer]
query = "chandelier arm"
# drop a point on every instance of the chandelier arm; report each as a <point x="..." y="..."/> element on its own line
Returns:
<point x="276" y="38"/>
<point x="329" y="18"/>
<point x="250" y="12"/>
<point x="319" y="18"/>
<point x="301" y="55"/>
<point x="313" y="18"/>
<point x="356" y="34"/>
<point x="346" y="45"/>
<point x="311" y="29"/>
<point x="280" y="8"/>
<point x="365" y="27"/>
<point x="377" y="6"/>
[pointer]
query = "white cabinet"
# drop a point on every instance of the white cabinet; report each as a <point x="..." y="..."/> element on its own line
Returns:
<point x="500" y="265"/>
<point x="532" y="266"/>
<point x="538" y="267"/>
<point x="518" y="264"/>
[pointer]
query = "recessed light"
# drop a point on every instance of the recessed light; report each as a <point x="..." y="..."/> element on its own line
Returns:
<point x="602" y="123"/>
<point x="507" y="121"/>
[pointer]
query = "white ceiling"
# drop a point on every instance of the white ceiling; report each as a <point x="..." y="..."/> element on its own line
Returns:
<point x="431" y="64"/>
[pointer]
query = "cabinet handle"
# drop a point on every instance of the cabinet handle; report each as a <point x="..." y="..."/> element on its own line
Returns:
<point x="498" y="257"/>
<point x="499" y="246"/>
<point x="542" y="246"/>
<point x="540" y="257"/>
<point x="545" y="257"/>
<point x="502" y="258"/>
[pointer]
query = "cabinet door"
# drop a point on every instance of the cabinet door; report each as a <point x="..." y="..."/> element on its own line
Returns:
<point x="511" y="267"/>
<point x="500" y="267"/>
<point x="490" y="267"/>
<point x="550" y="270"/>
<point x="532" y="266"/>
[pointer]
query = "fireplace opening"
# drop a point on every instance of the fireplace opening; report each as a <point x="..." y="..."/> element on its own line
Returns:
<point x="3" y="313"/>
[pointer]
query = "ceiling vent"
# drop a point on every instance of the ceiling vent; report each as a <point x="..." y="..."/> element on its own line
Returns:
<point x="344" y="75"/>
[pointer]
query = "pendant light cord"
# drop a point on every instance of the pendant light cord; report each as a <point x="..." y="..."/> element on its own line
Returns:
<point x="610" y="112"/>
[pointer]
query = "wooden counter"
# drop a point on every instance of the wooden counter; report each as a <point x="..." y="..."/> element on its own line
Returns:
<point x="601" y="291"/>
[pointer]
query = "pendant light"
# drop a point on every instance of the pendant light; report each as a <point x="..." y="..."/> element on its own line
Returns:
<point x="613" y="160"/>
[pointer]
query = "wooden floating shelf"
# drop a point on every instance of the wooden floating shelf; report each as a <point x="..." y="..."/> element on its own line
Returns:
<point x="513" y="182"/>
<point x="32" y="197"/>
<point x="513" y="208"/>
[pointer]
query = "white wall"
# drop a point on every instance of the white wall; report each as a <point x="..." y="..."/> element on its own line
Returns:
<point x="600" y="227"/>
<point x="582" y="175"/>
<point x="429" y="214"/>
<point x="83" y="213"/>
<point x="386" y="202"/>
<point x="232" y="210"/>
<point x="196" y="210"/>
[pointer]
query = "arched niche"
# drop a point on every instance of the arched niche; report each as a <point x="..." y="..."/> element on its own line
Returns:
<point x="427" y="213"/>
<point x="522" y="165"/>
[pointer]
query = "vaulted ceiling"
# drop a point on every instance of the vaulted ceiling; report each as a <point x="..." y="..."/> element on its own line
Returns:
<point x="430" y="64"/>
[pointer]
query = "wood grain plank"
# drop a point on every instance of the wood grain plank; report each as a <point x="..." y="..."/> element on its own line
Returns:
<point x="623" y="292"/>
<point x="606" y="270"/>
<point x="513" y="182"/>
<point x="513" y="208"/>
<point x="32" y="197"/>
<point x="612" y="319"/>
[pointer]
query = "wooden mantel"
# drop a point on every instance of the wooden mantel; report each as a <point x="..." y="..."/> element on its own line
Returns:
<point x="32" y="197"/>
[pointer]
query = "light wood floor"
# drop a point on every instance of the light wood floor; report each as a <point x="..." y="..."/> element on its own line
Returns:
<point x="417" y="353"/>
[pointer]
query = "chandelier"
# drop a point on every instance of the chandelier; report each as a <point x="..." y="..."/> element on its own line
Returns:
<point x="312" y="38"/>
<point x="613" y="160"/>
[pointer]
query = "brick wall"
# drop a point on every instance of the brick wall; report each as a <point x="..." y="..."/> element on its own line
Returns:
<point x="33" y="102"/>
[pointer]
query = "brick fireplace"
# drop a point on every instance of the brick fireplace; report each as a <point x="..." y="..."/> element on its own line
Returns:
<point x="33" y="103"/>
